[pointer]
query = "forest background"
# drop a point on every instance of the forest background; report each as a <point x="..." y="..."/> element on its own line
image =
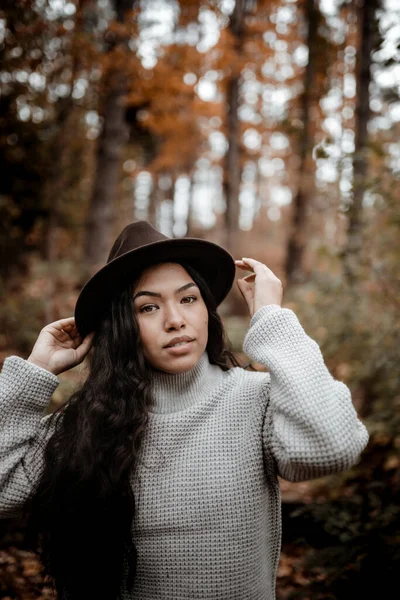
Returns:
<point x="270" y="127"/>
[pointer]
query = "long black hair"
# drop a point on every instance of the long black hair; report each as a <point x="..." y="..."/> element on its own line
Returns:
<point x="80" y="517"/>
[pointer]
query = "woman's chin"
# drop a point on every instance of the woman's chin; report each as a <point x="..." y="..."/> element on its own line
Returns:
<point x="178" y="363"/>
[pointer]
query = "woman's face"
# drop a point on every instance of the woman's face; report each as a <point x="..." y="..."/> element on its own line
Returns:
<point x="168" y="305"/>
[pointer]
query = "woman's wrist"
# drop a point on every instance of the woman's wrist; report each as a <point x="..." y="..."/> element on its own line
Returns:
<point x="40" y="364"/>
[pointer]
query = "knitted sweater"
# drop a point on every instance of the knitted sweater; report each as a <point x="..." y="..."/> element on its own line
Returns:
<point x="207" y="523"/>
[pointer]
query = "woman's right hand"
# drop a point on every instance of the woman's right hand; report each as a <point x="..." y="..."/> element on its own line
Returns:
<point x="59" y="347"/>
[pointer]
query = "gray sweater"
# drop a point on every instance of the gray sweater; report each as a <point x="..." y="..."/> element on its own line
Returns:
<point x="208" y="522"/>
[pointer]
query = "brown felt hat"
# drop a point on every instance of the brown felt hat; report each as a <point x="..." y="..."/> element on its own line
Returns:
<point x="138" y="246"/>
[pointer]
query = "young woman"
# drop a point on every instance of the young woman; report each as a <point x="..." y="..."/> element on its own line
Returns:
<point x="158" y="478"/>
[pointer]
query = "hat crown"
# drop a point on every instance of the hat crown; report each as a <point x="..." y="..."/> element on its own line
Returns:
<point x="134" y="236"/>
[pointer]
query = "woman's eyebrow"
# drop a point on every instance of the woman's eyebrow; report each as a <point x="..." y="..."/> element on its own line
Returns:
<point x="157" y="295"/>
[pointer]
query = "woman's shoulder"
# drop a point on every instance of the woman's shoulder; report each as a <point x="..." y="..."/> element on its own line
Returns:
<point x="246" y="388"/>
<point x="248" y="375"/>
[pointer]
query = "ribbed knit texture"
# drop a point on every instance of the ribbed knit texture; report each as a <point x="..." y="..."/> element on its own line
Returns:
<point x="207" y="522"/>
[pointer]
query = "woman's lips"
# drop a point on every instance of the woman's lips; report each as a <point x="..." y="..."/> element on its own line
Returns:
<point x="180" y="349"/>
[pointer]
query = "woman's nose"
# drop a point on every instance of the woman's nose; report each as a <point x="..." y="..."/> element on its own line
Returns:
<point x="173" y="318"/>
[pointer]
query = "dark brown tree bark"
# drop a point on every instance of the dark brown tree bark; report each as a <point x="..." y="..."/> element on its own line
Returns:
<point x="232" y="170"/>
<point x="114" y="135"/>
<point x="101" y="213"/>
<point x="297" y="236"/>
<point x="366" y="16"/>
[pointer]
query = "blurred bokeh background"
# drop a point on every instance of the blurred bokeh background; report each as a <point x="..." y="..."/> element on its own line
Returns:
<point x="270" y="127"/>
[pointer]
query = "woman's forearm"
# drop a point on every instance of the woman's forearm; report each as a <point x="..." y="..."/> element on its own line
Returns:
<point x="25" y="391"/>
<point x="312" y="429"/>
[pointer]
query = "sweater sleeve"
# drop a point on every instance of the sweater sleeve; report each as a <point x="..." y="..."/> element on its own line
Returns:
<point x="311" y="428"/>
<point x="25" y="391"/>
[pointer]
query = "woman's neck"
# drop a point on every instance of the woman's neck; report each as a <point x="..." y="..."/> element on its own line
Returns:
<point x="175" y="392"/>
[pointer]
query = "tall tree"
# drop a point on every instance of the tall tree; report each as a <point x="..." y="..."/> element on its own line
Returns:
<point x="114" y="135"/>
<point x="298" y="230"/>
<point x="38" y="49"/>
<point x="57" y="182"/>
<point x="368" y="39"/>
<point x="232" y="170"/>
<point x="168" y="107"/>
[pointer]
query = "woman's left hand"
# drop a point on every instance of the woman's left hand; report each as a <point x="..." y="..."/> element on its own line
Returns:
<point x="261" y="287"/>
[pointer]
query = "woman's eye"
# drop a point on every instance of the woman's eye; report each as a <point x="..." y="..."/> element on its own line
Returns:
<point x="148" y="308"/>
<point x="144" y="309"/>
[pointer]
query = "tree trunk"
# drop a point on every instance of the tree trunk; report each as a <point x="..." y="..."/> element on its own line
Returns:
<point x="101" y="214"/>
<point x="366" y="13"/>
<point x="58" y="181"/>
<point x="153" y="201"/>
<point x="298" y="236"/>
<point x="232" y="171"/>
<point x="54" y="188"/>
<point x="114" y="134"/>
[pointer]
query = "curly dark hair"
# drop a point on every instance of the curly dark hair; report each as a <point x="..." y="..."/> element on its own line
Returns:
<point x="80" y="516"/>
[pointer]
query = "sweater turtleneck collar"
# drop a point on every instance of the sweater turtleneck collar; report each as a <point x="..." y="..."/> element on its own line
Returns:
<point x="174" y="392"/>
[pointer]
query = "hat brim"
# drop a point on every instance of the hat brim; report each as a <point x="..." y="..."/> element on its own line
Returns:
<point x="214" y="263"/>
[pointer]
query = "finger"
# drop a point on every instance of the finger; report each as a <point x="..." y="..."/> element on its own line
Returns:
<point x="240" y="264"/>
<point x="62" y="323"/>
<point x="242" y="286"/>
<point x="253" y="263"/>
<point x="246" y="268"/>
<point x="59" y="334"/>
<point x="245" y="293"/>
<point x="77" y="339"/>
<point x="85" y="346"/>
<point x="72" y="330"/>
<point x="247" y="264"/>
<point x="65" y="322"/>
<point x="250" y="260"/>
<point x="75" y="336"/>
<point x="243" y="261"/>
<point x="89" y="338"/>
<point x="246" y="287"/>
<point x="256" y="265"/>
